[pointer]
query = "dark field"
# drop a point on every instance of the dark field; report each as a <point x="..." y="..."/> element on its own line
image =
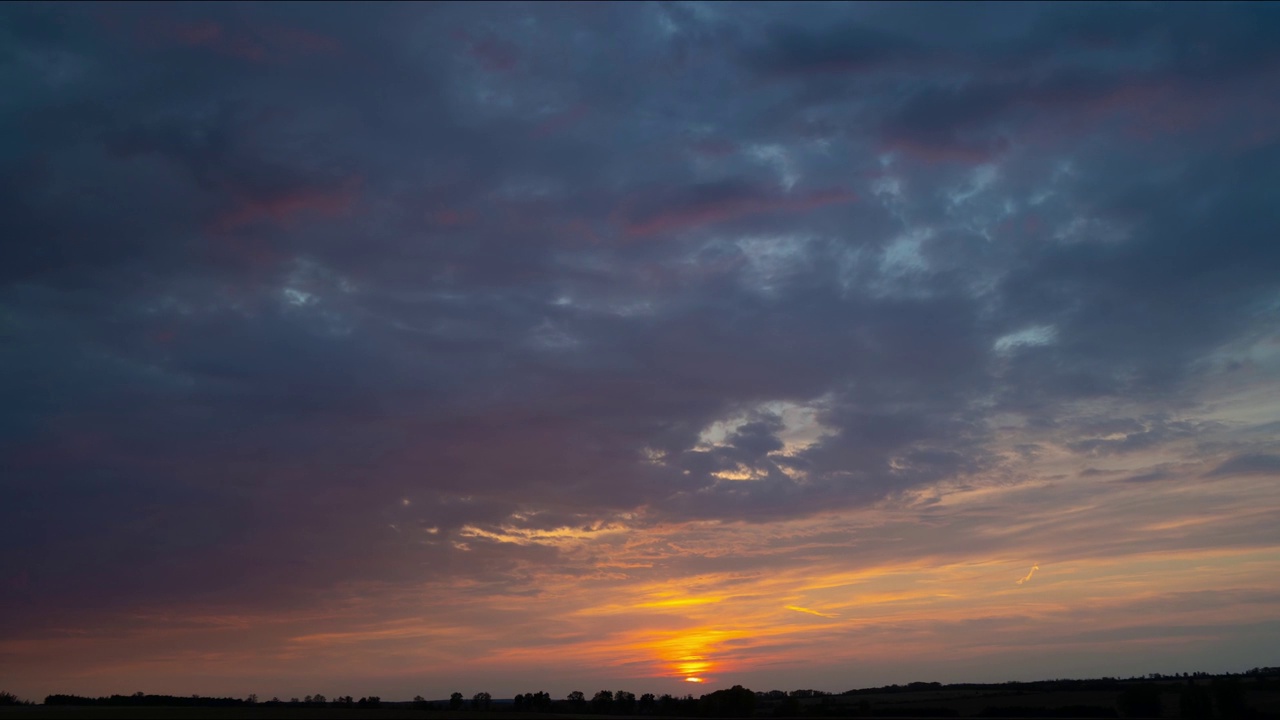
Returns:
<point x="244" y="713"/>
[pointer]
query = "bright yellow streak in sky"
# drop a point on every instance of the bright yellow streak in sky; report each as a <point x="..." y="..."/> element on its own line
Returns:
<point x="799" y="609"/>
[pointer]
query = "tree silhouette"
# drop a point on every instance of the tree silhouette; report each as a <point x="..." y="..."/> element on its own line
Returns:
<point x="455" y="701"/>
<point x="624" y="702"/>
<point x="737" y="701"/>
<point x="577" y="700"/>
<point x="480" y="701"/>
<point x="602" y="702"/>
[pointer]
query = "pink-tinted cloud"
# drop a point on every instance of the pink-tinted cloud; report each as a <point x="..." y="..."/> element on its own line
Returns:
<point x="937" y="153"/>
<point x="685" y="215"/>
<point x="714" y="147"/>
<point x="492" y="54"/>
<point x="561" y="121"/>
<point x="284" y="207"/>
<point x="448" y="217"/>
<point x="257" y="43"/>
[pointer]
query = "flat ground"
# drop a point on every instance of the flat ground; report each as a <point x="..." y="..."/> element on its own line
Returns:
<point x="245" y="713"/>
<point x="40" y="712"/>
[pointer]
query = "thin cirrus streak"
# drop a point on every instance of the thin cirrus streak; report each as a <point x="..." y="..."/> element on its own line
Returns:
<point x="797" y="608"/>
<point x="1030" y="572"/>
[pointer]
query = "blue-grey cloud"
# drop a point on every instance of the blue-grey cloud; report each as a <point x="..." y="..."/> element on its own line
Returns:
<point x="1257" y="464"/>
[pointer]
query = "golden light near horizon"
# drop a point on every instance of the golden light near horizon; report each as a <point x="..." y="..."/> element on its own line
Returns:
<point x="688" y="655"/>
<point x="692" y="666"/>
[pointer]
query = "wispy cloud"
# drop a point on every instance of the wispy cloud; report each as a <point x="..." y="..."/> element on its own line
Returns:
<point x="1027" y="577"/>
<point x="809" y="611"/>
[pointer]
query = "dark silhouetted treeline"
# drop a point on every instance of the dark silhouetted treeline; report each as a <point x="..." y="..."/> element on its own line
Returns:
<point x="1186" y="695"/>
<point x="736" y="701"/>
<point x="144" y="700"/>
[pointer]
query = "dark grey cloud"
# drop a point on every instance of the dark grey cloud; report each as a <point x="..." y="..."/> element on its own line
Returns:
<point x="1258" y="464"/>
<point x="271" y="271"/>
<point x="849" y="49"/>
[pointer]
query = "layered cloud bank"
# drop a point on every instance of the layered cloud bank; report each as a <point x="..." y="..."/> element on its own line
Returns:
<point x="407" y="346"/>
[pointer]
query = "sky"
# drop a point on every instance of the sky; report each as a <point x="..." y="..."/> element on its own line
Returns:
<point x="405" y="349"/>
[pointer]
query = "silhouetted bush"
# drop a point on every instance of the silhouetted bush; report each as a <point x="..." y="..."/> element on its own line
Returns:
<point x="8" y="698"/>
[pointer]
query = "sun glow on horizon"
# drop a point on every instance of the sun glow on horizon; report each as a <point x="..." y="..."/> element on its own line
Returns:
<point x="694" y="679"/>
<point x="692" y="666"/>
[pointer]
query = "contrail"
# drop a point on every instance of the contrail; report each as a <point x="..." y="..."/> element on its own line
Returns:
<point x="1033" y="570"/>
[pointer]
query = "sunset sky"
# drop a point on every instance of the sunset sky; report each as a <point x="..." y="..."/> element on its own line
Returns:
<point x="402" y="349"/>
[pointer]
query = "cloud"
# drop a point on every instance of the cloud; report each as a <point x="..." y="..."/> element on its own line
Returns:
<point x="844" y="49"/>
<point x="709" y="205"/>
<point x="1027" y="577"/>
<point x="649" y="303"/>
<point x="285" y="206"/>
<point x="1256" y="464"/>
<point x="807" y="611"/>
